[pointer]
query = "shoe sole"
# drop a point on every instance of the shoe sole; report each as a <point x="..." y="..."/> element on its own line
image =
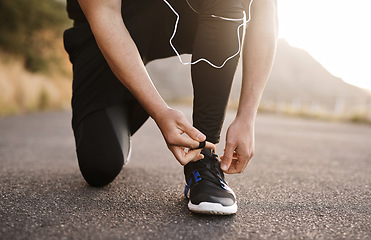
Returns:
<point x="212" y="208"/>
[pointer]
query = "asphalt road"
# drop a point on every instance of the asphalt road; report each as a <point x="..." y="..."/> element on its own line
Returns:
<point x="309" y="180"/>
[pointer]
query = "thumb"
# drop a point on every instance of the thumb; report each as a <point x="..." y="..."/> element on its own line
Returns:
<point x="227" y="157"/>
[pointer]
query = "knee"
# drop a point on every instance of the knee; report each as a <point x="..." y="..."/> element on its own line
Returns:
<point x="99" y="172"/>
<point x="99" y="150"/>
<point x="99" y="163"/>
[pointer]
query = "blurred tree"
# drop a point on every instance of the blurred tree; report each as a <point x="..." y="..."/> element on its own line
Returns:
<point x="30" y="28"/>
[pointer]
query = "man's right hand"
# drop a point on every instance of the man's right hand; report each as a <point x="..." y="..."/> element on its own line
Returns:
<point x="175" y="127"/>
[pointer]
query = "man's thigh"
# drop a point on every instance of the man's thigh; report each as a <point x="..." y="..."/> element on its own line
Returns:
<point x="151" y="24"/>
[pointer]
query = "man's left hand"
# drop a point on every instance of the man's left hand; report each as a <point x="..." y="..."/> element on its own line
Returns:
<point x="239" y="147"/>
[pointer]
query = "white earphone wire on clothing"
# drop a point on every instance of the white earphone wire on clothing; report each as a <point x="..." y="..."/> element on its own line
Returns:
<point x="244" y="22"/>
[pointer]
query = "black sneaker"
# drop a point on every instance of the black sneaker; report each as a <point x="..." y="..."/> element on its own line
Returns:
<point x="206" y="189"/>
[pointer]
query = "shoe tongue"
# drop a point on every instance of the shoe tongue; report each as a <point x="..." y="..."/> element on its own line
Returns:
<point x="208" y="166"/>
<point x="207" y="152"/>
<point x="211" y="159"/>
<point x="212" y="165"/>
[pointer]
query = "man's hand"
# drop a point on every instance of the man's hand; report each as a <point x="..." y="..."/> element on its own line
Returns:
<point x="257" y="60"/>
<point x="239" y="147"/>
<point x="174" y="125"/>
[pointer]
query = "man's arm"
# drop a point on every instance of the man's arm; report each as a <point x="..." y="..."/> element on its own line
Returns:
<point x="258" y="54"/>
<point x="121" y="53"/>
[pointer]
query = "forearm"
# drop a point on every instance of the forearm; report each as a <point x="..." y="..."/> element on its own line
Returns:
<point x="121" y="52"/>
<point x="258" y="54"/>
<point x="128" y="67"/>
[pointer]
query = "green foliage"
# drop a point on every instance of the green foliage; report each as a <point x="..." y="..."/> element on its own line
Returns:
<point x="44" y="99"/>
<point x="29" y="28"/>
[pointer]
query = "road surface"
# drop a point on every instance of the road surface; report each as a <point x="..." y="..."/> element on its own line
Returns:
<point x="309" y="180"/>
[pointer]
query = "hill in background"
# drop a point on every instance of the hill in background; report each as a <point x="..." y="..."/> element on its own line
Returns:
<point x="35" y="72"/>
<point x="298" y="85"/>
<point x="300" y="82"/>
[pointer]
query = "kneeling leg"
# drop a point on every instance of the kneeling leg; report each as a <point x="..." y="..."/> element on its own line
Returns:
<point x="103" y="145"/>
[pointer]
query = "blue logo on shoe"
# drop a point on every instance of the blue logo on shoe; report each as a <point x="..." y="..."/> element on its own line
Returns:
<point x="223" y="185"/>
<point x="186" y="189"/>
<point x="197" y="176"/>
<point x="190" y="182"/>
<point x="226" y="187"/>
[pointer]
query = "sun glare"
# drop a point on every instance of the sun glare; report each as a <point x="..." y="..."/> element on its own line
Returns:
<point x="337" y="33"/>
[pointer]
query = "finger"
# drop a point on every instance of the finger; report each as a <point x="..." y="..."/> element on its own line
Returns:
<point x="183" y="157"/>
<point x="227" y="157"/>
<point x="239" y="164"/>
<point x="210" y="145"/>
<point x="201" y="145"/>
<point x="221" y="158"/>
<point x="232" y="169"/>
<point x="178" y="154"/>
<point x="193" y="132"/>
<point x="206" y="144"/>
<point x="193" y="157"/>
<point x="184" y="141"/>
<point x="234" y="153"/>
<point x="197" y="155"/>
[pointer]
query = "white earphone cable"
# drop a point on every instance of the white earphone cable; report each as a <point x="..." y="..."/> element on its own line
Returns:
<point x="223" y="18"/>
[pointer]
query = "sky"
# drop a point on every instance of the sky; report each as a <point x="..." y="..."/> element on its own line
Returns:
<point x="337" y="33"/>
